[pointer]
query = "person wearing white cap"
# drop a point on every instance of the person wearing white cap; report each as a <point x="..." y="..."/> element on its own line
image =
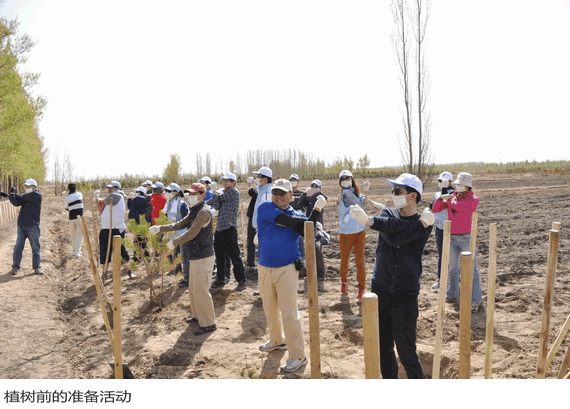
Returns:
<point x="112" y="209"/>
<point x="176" y="209"/>
<point x="403" y="234"/>
<point x="445" y="188"/>
<point x="198" y="241"/>
<point x="263" y="180"/>
<point x="352" y="233"/>
<point x="28" y="224"/>
<point x="74" y="205"/>
<point x="206" y="181"/>
<point x="227" y="201"/>
<point x="461" y="205"/>
<point x="138" y="206"/>
<point x="147" y="185"/>
<point x="295" y="179"/>
<point x="157" y="200"/>
<point x="279" y="227"/>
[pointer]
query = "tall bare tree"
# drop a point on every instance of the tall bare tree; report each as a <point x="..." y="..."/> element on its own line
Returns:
<point x="412" y="21"/>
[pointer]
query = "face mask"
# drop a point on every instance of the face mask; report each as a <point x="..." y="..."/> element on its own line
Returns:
<point x="294" y="184"/>
<point x="28" y="190"/>
<point x="257" y="181"/>
<point x="192" y="200"/>
<point x="460" y="188"/>
<point x="170" y="195"/>
<point x="346" y="184"/>
<point x="400" y="201"/>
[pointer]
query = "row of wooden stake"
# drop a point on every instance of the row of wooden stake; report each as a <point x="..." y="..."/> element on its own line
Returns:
<point x="370" y="310"/>
<point x="8" y="211"/>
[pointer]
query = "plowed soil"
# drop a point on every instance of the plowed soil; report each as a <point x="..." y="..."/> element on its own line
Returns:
<point x="52" y="326"/>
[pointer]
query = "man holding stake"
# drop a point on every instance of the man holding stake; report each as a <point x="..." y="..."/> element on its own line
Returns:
<point x="403" y="234"/>
<point x="279" y="227"/>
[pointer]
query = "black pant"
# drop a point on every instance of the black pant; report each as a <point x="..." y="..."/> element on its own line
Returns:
<point x="103" y="243"/>
<point x="140" y="242"/>
<point x="397" y="316"/>
<point x="439" y="244"/>
<point x="226" y="244"/>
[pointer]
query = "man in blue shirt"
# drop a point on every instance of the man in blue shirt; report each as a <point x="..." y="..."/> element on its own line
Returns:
<point x="278" y="229"/>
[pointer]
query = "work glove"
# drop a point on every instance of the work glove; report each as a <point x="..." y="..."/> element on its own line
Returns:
<point x="3" y="194"/>
<point x="13" y="190"/>
<point x="214" y="186"/>
<point x="427" y="218"/>
<point x="96" y="193"/>
<point x="170" y="245"/>
<point x="366" y="185"/>
<point x="320" y="203"/>
<point x="357" y="213"/>
<point x="250" y="180"/>
<point x="154" y="230"/>
<point x="377" y="205"/>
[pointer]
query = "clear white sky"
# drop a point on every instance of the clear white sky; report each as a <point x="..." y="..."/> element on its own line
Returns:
<point x="130" y="82"/>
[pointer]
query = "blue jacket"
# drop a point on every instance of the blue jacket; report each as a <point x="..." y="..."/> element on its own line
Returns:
<point x="347" y="224"/>
<point x="137" y="206"/>
<point x="401" y="242"/>
<point x="263" y="195"/>
<point x="31" y="204"/>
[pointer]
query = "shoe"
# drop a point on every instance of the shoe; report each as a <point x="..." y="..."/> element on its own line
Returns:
<point x="183" y="284"/>
<point x="191" y="320"/>
<point x="360" y="294"/>
<point x="452" y="300"/>
<point x="131" y="274"/>
<point x="39" y="271"/>
<point x="343" y="287"/>
<point x="218" y="283"/>
<point x="14" y="271"/>
<point x="241" y="286"/>
<point x="205" y="330"/>
<point x="435" y="286"/>
<point x="475" y="307"/>
<point x="269" y="346"/>
<point x="293" y="364"/>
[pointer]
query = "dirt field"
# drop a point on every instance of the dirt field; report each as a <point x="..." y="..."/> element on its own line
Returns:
<point x="52" y="327"/>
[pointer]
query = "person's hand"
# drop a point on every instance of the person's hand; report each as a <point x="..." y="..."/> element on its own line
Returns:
<point x="96" y="193"/>
<point x="154" y="230"/>
<point x="249" y="181"/>
<point x="3" y="194"/>
<point x="357" y="213"/>
<point x="170" y="245"/>
<point x="378" y="205"/>
<point x="320" y="203"/>
<point x="13" y="190"/>
<point x="366" y="185"/>
<point x="445" y="197"/>
<point x="256" y="240"/>
<point x="427" y="217"/>
<point x="214" y="186"/>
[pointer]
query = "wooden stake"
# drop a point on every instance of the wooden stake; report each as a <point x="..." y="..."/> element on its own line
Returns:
<point x="371" y="336"/>
<point x="557" y="343"/>
<point x="491" y="299"/>
<point x="565" y="364"/>
<point x="313" y="297"/>
<point x="117" y="346"/>
<point x="547" y="304"/>
<point x="465" y="315"/>
<point x="473" y="242"/>
<point x="95" y="217"/>
<point x="441" y="305"/>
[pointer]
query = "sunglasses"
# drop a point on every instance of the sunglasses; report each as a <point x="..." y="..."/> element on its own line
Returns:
<point x="399" y="191"/>
<point x="279" y="192"/>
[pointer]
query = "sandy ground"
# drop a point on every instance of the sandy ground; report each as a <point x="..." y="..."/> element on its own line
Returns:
<point x="52" y="327"/>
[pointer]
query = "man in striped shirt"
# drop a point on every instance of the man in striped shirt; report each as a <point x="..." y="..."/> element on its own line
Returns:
<point x="74" y="205"/>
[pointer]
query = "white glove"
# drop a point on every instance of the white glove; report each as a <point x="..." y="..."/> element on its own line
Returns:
<point x="366" y="185"/>
<point x="96" y="193"/>
<point x="427" y="217"/>
<point x="170" y="245"/>
<point x="220" y="191"/>
<point x="378" y="205"/>
<point x="250" y="180"/>
<point x="154" y="230"/>
<point x="256" y="240"/>
<point x="214" y="186"/>
<point x="132" y="194"/>
<point x="320" y="203"/>
<point x="445" y="197"/>
<point x="357" y="213"/>
<point x="319" y="226"/>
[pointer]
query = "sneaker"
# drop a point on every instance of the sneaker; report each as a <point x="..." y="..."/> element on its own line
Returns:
<point x="435" y="286"/>
<point x="269" y="346"/>
<point x="360" y="294"/>
<point x="241" y="286"/>
<point x="39" y="271"/>
<point x="191" y="320"/>
<point x="205" y="330"/>
<point x="14" y="271"/>
<point x="131" y="274"/>
<point x="218" y="283"/>
<point x="343" y="287"/>
<point x="293" y="364"/>
<point x="475" y="307"/>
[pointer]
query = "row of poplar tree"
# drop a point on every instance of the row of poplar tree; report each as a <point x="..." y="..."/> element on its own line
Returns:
<point x="22" y="154"/>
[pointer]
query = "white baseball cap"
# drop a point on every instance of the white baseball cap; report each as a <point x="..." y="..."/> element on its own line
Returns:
<point x="464" y="179"/>
<point x="294" y="176"/>
<point x="206" y="179"/>
<point x="283" y="184"/>
<point x="229" y="176"/>
<point x="345" y="173"/>
<point x="31" y="182"/>
<point x="446" y="175"/>
<point x="317" y="182"/>
<point x="114" y="183"/>
<point x="147" y="183"/>
<point x="173" y="186"/>
<point x="409" y="180"/>
<point x="140" y="189"/>
<point x="160" y="185"/>
<point x="264" y="171"/>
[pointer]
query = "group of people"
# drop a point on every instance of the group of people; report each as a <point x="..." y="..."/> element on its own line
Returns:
<point x="276" y="216"/>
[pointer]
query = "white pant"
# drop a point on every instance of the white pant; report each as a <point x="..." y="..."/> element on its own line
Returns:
<point x="199" y="283"/>
<point x="278" y="290"/>
<point x="76" y="235"/>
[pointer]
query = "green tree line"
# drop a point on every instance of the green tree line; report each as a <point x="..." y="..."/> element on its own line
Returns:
<point x="22" y="154"/>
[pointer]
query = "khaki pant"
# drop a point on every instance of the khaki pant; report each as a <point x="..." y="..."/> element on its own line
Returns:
<point x="199" y="283"/>
<point x="358" y="242"/>
<point x="76" y="235"/>
<point x="278" y="290"/>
